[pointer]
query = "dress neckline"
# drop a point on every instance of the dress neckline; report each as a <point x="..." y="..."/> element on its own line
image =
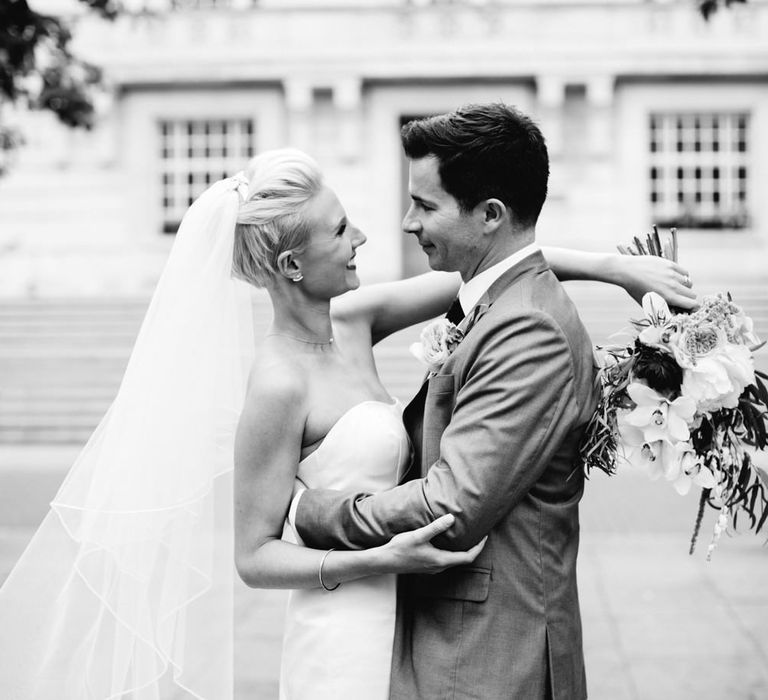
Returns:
<point x="394" y="403"/>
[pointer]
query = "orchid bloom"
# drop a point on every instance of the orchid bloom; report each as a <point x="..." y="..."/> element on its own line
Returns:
<point x="692" y="472"/>
<point x="657" y="459"/>
<point x="654" y="431"/>
<point x="657" y="417"/>
<point x="658" y="314"/>
<point x="676" y="462"/>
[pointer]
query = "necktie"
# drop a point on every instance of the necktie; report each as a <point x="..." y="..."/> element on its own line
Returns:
<point x="455" y="313"/>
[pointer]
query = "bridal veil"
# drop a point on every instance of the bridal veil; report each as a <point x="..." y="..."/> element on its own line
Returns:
<point x="128" y="581"/>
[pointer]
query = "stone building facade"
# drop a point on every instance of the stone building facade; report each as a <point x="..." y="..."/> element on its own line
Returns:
<point x="651" y="115"/>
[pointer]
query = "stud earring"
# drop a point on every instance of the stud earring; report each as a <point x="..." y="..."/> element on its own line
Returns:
<point x="297" y="278"/>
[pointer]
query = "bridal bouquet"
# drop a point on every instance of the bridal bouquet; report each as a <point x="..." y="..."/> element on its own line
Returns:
<point x="684" y="402"/>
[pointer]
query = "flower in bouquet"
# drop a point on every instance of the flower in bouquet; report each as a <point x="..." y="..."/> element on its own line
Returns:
<point x="656" y="416"/>
<point x="712" y="349"/>
<point x="654" y="434"/>
<point x="437" y="341"/>
<point x="718" y="381"/>
<point x="692" y="471"/>
<point x="684" y="402"/>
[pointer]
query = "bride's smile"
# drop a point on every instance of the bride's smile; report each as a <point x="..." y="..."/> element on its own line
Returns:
<point x="327" y="261"/>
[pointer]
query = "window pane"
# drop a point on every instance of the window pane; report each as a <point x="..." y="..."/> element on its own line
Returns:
<point x="698" y="175"/>
<point x="195" y="153"/>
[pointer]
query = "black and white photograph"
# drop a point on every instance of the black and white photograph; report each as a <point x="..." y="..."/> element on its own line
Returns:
<point x="383" y="349"/>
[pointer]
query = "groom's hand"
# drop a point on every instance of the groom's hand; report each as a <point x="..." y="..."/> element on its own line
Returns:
<point x="413" y="552"/>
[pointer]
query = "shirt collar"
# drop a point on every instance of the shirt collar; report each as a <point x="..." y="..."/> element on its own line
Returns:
<point x="470" y="292"/>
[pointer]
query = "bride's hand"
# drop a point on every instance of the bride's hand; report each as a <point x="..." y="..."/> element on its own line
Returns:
<point x="412" y="552"/>
<point x="640" y="274"/>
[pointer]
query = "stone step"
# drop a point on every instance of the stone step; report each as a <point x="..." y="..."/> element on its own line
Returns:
<point x="59" y="398"/>
<point x="99" y="207"/>
<point x="44" y="436"/>
<point x="82" y="399"/>
<point x="64" y="378"/>
<point x="75" y="419"/>
<point x="72" y="306"/>
<point x="15" y="366"/>
<point x="84" y="413"/>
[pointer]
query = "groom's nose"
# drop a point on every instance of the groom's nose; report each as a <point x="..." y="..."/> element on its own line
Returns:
<point x="410" y="222"/>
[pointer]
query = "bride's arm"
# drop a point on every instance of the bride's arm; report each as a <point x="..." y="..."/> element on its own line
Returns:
<point x="636" y="274"/>
<point x="391" y="306"/>
<point x="267" y="452"/>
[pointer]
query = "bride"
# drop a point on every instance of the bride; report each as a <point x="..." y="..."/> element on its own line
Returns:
<point x="127" y="585"/>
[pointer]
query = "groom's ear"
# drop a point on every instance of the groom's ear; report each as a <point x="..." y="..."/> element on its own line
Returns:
<point x="494" y="212"/>
<point x="287" y="265"/>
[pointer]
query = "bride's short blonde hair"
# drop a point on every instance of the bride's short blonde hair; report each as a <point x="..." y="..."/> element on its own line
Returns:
<point x="270" y="220"/>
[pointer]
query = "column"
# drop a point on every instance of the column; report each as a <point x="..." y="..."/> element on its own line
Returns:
<point x="347" y="99"/>
<point x="298" y="98"/>
<point x="600" y="92"/>
<point x="550" y="97"/>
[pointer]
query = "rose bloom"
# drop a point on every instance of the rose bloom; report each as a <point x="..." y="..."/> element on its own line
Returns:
<point x="438" y="339"/>
<point x="717" y="380"/>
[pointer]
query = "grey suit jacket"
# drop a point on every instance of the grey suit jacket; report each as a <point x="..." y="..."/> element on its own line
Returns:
<point x="496" y="445"/>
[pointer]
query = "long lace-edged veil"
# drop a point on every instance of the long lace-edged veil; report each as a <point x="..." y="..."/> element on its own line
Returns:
<point x="129" y="578"/>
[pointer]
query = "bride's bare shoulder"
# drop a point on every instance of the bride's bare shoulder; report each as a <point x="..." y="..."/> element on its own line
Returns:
<point x="274" y="411"/>
<point x="276" y="379"/>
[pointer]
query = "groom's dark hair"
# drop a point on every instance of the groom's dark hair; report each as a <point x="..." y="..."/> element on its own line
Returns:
<point x="485" y="151"/>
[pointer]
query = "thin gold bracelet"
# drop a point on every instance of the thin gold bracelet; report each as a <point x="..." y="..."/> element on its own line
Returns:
<point x="320" y="573"/>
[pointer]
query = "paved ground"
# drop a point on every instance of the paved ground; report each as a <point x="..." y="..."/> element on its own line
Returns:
<point x="658" y="624"/>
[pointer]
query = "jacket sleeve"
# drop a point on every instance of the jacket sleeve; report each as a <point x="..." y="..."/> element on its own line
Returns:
<point x="514" y="408"/>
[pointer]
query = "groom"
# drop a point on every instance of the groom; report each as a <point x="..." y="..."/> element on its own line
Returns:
<point x="495" y="431"/>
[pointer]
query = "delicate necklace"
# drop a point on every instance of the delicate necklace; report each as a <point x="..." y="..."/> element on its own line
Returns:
<point x="321" y="343"/>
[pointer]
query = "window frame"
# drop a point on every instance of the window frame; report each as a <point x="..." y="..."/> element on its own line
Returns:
<point x="635" y="98"/>
<point x="211" y="149"/>
<point x="699" y="168"/>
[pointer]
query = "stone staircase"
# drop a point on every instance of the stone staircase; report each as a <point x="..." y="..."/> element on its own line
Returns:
<point x="60" y="365"/>
<point x="61" y="361"/>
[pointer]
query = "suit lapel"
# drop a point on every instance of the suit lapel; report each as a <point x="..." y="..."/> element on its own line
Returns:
<point x="413" y="414"/>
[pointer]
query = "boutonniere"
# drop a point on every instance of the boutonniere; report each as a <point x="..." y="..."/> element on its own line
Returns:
<point x="438" y="340"/>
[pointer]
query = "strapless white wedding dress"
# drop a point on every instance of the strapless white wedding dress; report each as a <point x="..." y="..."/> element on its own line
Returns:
<point x="338" y="645"/>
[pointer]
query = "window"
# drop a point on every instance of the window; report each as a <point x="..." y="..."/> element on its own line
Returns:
<point x="699" y="169"/>
<point x="196" y="153"/>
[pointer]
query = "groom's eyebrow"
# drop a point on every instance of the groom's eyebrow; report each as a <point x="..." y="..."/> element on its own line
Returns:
<point x="421" y="200"/>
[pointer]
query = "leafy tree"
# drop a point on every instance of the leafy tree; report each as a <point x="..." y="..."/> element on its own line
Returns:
<point x="39" y="70"/>
<point x="709" y="7"/>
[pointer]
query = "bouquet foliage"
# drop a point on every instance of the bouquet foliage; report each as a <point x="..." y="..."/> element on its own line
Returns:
<point x="684" y="402"/>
